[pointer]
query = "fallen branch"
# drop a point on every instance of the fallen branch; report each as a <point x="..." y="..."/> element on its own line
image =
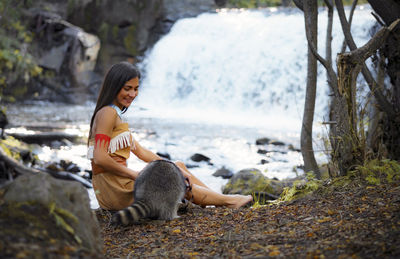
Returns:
<point x="44" y="137"/>
<point x="20" y="168"/>
<point x="17" y="166"/>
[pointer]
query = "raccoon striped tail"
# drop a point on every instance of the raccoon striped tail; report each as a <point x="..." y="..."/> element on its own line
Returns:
<point x="131" y="214"/>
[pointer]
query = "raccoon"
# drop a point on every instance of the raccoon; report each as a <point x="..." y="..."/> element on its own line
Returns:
<point x="157" y="193"/>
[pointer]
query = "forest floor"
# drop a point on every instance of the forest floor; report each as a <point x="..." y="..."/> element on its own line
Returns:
<point x="357" y="221"/>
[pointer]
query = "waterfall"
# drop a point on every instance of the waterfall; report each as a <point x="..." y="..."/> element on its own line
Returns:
<point x="239" y="66"/>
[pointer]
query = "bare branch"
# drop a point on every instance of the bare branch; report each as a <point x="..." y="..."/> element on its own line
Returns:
<point x="328" y="43"/>
<point x="378" y="19"/>
<point x="361" y="54"/>
<point x="345" y="25"/>
<point x="328" y="66"/>
<point x="353" y="7"/>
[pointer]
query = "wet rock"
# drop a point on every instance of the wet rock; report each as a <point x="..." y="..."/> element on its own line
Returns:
<point x="264" y="161"/>
<point x="276" y="143"/>
<point x="164" y="155"/>
<point x="66" y="196"/>
<point x="192" y="166"/>
<point x="262" y="151"/>
<point x="262" y="141"/>
<point x="292" y="148"/>
<point x="199" y="158"/>
<point x="224" y="173"/>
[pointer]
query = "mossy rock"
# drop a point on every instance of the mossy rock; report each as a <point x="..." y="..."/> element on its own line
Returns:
<point x="251" y="181"/>
<point x="29" y="230"/>
<point x="66" y="202"/>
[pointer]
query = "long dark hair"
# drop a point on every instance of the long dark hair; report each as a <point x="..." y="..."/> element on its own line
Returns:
<point x="114" y="80"/>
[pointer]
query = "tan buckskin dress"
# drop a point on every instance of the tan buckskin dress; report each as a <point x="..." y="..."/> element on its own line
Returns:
<point x="113" y="192"/>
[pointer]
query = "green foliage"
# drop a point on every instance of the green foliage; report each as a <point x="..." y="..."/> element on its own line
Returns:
<point x="257" y="201"/>
<point x="17" y="65"/>
<point x="375" y="171"/>
<point x="301" y="188"/>
<point x="12" y="147"/>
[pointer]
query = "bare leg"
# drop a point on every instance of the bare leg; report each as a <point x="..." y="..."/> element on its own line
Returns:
<point x="204" y="196"/>
<point x="192" y="179"/>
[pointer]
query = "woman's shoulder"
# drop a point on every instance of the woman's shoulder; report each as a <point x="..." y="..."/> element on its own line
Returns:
<point x="106" y="113"/>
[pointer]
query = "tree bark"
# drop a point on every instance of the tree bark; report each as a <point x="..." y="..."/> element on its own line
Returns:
<point x="389" y="11"/>
<point x="349" y="148"/>
<point x="380" y="98"/>
<point x="310" y="8"/>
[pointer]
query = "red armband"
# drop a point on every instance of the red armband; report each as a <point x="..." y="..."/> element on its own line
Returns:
<point x="100" y="139"/>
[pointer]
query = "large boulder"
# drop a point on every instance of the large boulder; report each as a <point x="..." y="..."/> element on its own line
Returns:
<point x="66" y="51"/>
<point x="253" y="182"/>
<point x="68" y="201"/>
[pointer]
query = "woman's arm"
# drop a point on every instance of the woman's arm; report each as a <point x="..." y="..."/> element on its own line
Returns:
<point x="105" y="121"/>
<point x="143" y="153"/>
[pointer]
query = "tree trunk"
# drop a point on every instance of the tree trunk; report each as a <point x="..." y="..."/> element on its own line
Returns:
<point x="389" y="11"/>
<point x="348" y="147"/>
<point x="310" y="8"/>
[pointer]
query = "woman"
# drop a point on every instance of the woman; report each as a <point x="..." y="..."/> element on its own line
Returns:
<point x="110" y="143"/>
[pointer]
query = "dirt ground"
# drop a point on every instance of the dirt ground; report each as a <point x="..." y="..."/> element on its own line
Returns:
<point x="355" y="222"/>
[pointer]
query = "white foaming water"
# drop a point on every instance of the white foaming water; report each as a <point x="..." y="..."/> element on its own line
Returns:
<point x="239" y="67"/>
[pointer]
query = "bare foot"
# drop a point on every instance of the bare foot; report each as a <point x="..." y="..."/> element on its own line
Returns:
<point x="239" y="201"/>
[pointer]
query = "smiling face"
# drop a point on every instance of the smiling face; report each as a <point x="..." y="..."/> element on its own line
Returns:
<point x="127" y="93"/>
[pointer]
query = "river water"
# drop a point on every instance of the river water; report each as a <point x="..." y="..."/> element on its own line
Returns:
<point x="213" y="85"/>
